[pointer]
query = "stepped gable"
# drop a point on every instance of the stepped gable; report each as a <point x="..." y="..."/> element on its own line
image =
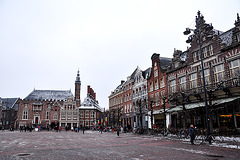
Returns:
<point x="49" y="95"/>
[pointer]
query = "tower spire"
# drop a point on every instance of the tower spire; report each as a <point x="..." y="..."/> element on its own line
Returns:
<point x="78" y="89"/>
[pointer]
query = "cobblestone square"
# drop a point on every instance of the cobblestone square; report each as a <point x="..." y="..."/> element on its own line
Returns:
<point x="94" y="145"/>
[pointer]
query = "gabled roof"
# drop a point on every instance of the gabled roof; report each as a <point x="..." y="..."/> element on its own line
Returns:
<point x="146" y="73"/>
<point x="49" y="95"/>
<point x="9" y="103"/>
<point x="134" y="72"/>
<point x="90" y="103"/>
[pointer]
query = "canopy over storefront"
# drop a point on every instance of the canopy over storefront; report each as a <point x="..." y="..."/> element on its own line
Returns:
<point x="202" y="104"/>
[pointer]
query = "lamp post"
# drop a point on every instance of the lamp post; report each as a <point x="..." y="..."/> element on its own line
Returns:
<point x="151" y="105"/>
<point x="164" y="112"/>
<point x="198" y="32"/>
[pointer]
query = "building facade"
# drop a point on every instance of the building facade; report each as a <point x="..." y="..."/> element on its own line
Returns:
<point x="221" y="62"/>
<point x="42" y="108"/>
<point x="116" y="100"/>
<point x="90" y="111"/>
<point x="127" y="115"/>
<point x="9" y="112"/>
<point x="69" y="114"/>
<point x="140" y="98"/>
<point x="157" y="91"/>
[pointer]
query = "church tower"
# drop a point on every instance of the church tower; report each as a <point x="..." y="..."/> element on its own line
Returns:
<point x="78" y="90"/>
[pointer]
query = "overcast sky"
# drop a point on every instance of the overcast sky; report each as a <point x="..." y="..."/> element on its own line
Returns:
<point x="44" y="43"/>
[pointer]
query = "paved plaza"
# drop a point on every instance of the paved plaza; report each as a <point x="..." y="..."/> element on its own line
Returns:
<point x="94" y="145"/>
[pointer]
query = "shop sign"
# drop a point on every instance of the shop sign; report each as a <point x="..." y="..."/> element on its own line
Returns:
<point x="226" y="115"/>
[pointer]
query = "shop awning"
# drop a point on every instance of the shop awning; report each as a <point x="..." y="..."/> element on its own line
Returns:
<point x="202" y="104"/>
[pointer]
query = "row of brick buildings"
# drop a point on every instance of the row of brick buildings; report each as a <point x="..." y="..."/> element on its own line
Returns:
<point x="51" y="109"/>
<point x="171" y="90"/>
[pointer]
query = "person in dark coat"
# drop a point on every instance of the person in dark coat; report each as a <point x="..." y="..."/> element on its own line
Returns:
<point x="118" y="130"/>
<point x="83" y="129"/>
<point x="192" y="133"/>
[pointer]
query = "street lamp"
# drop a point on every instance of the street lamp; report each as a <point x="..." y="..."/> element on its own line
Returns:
<point x="164" y="112"/>
<point x="198" y="32"/>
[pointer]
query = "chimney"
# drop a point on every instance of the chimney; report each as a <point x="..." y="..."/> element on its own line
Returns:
<point x="88" y="89"/>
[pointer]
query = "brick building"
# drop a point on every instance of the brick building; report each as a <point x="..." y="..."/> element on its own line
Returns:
<point x="43" y="107"/>
<point x="157" y="90"/>
<point x="221" y="60"/>
<point x="90" y="111"/>
<point x="9" y="112"/>
<point x="116" y="101"/>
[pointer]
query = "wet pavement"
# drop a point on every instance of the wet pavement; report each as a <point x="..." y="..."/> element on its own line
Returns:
<point x="94" y="145"/>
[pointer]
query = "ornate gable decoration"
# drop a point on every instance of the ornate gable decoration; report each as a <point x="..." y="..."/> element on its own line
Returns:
<point x="227" y="38"/>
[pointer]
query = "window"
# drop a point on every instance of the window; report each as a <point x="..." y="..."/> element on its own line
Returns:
<point x="55" y="116"/>
<point x="182" y="83"/>
<point x="151" y="86"/>
<point x="162" y="84"/>
<point x="47" y="114"/>
<point x="125" y="108"/>
<point x="81" y="114"/>
<point x="173" y="86"/>
<point x="218" y="73"/>
<point x="92" y="114"/>
<point x="194" y="56"/>
<point x="74" y="115"/>
<point x="155" y="73"/>
<point x="157" y="99"/>
<point x="207" y="77"/>
<point x="86" y="114"/>
<point x="69" y="115"/>
<point x="193" y="80"/>
<point x="63" y="115"/>
<point x="81" y="122"/>
<point x="205" y="52"/>
<point x="25" y="115"/>
<point x="156" y="85"/>
<point x="163" y="93"/>
<point x="130" y="97"/>
<point x="130" y="107"/>
<point x="37" y="108"/>
<point x="86" y="123"/>
<point x="211" y="50"/>
<point x="234" y="67"/>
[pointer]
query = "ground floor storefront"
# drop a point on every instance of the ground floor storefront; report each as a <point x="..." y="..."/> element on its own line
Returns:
<point x="224" y="115"/>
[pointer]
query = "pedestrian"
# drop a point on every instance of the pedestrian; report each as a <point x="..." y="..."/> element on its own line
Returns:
<point x="118" y="129"/>
<point x="60" y="128"/>
<point x="101" y="128"/>
<point x="83" y="129"/>
<point x="191" y="133"/>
